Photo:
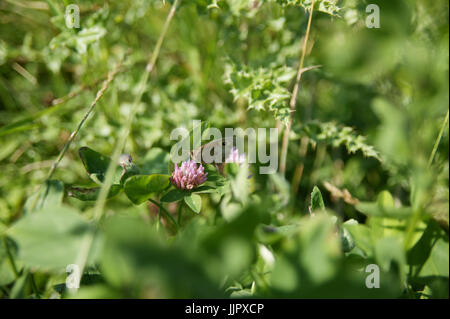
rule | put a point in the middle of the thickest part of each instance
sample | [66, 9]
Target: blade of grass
[438, 140]
[104, 190]
[292, 102]
[72, 136]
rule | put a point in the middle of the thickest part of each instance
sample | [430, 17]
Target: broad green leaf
[320, 248]
[375, 209]
[347, 241]
[361, 235]
[390, 257]
[385, 199]
[284, 276]
[194, 202]
[437, 263]
[317, 200]
[19, 287]
[128, 171]
[96, 165]
[173, 195]
[51, 238]
[204, 189]
[6, 273]
[429, 256]
[140, 188]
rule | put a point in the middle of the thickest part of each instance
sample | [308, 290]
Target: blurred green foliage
[366, 123]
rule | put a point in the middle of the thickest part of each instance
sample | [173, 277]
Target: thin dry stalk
[292, 103]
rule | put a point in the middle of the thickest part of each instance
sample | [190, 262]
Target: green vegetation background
[232, 66]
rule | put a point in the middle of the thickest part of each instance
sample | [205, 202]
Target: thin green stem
[100, 203]
[166, 213]
[158, 225]
[180, 212]
[438, 140]
[72, 136]
[293, 100]
[100, 93]
[104, 190]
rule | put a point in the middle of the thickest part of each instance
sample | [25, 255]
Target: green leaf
[140, 188]
[361, 235]
[336, 135]
[320, 248]
[374, 209]
[194, 202]
[204, 189]
[50, 238]
[91, 193]
[390, 256]
[262, 88]
[6, 273]
[128, 171]
[347, 241]
[317, 200]
[96, 164]
[18, 290]
[429, 256]
[173, 195]
[437, 263]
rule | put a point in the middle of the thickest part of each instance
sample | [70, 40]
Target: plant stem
[293, 100]
[158, 225]
[438, 140]
[299, 169]
[72, 136]
[104, 190]
[180, 211]
[84, 87]
[166, 213]
[100, 203]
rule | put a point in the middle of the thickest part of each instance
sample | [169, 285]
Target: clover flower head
[235, 157]
[188, 175]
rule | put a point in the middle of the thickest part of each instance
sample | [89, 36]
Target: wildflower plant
[188, 176]
[89, 181]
